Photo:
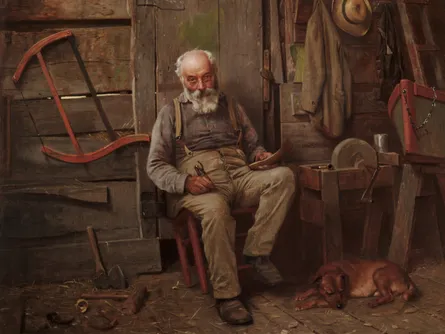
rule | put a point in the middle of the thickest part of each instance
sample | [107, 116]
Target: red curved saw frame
[116, 142]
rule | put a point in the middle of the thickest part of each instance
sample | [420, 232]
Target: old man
[204, 127]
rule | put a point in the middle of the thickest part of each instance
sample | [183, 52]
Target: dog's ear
[315, 279]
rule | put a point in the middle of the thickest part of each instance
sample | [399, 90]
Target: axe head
[116, 278]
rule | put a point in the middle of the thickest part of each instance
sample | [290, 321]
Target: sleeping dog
[338, 281]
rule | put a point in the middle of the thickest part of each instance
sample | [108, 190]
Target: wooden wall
[48, 204]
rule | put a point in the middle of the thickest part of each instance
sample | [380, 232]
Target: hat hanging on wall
[352, 16]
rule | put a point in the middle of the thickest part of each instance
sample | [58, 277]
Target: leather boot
[265, 269]
[233, 311]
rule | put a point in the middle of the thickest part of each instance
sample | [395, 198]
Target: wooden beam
[144, 106]
[404, 217]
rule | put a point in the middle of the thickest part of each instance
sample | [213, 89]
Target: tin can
[381, 142]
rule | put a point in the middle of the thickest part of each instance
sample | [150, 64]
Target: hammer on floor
[115, 278]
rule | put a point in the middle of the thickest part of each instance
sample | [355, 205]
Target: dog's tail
[412, 290]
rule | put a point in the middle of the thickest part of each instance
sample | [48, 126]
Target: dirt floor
[173, 308]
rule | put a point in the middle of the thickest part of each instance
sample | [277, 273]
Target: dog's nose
[339, 306]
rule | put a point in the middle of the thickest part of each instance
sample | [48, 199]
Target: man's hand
[197, 185]
[262, 156]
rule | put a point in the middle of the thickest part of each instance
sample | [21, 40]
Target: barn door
[230, 29]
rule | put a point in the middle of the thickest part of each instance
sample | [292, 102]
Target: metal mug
[381, 142]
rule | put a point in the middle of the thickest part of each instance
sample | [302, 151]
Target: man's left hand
[262, 156]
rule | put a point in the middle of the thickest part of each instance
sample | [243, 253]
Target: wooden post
[404, 216]
[332, 232]
[144, 105]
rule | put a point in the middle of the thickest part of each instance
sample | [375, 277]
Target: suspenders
[178, 118]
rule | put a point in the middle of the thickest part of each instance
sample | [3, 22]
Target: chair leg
[198, 254]
[183, 258]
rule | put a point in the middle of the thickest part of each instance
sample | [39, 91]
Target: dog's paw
[299, 297]
[299, 308]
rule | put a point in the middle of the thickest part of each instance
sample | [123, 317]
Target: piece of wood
[276, 56]
[28, 163]
[74, 261]
[404, 217]
[389, 158]
[36, 10]
[105, 52]
[112, 296]
[3, 138]
[135, 301]
[144, 105]
[319, 320]
[82, 114]
[362, 63]
[82, 192]
[289, 38]
[373, 225]
[12, 314]
[307, 144]
[332, 232]
[241, 45]
[33, 216]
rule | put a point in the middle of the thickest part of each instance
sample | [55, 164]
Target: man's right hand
[197, 185]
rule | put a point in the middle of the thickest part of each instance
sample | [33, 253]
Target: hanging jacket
[390, 61]
[326, 91]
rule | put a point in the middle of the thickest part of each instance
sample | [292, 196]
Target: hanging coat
[326, 90]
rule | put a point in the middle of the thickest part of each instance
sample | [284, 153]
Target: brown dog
[340, 280]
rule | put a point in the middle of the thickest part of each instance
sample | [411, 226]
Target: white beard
[205, 102]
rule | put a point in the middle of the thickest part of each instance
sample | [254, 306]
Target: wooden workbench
[320, 204]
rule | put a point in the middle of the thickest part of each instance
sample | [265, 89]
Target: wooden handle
[104, 296]
[135, 301]
[95, 249]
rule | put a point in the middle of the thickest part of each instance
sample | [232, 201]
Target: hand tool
[135, 301]
[115, 278]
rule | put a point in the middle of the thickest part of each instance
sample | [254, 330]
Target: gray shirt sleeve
[161, 160]
[250, 139]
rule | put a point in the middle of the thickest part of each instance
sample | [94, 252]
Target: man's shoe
[265, 269]
[233, 312]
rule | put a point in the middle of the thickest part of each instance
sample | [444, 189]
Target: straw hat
[352, 16]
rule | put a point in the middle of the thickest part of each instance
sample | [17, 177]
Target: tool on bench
[116, 142]
[357, 153]
[199, 169]
[115, 278]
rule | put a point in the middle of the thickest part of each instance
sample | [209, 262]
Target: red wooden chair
[186, 220]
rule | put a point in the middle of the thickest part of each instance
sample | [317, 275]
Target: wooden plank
[319, 320]
[35, 216]
[275, 45]
[194, 27]
[75, 261]
[144, 106]
[36, 10]
[432, 301]
[105, 52]
[298, 56]
[396, 317]
[362, 63]
[12, 314]
[404, 217]
[3, 136]
[89, 193]
[373, 225]
[332, 233]
[240, 24]
[307, 144]
[82, 114]
[30, 164]
[289, 38]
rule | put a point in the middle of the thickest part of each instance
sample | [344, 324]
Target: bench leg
[198, 254]
[183, 257]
